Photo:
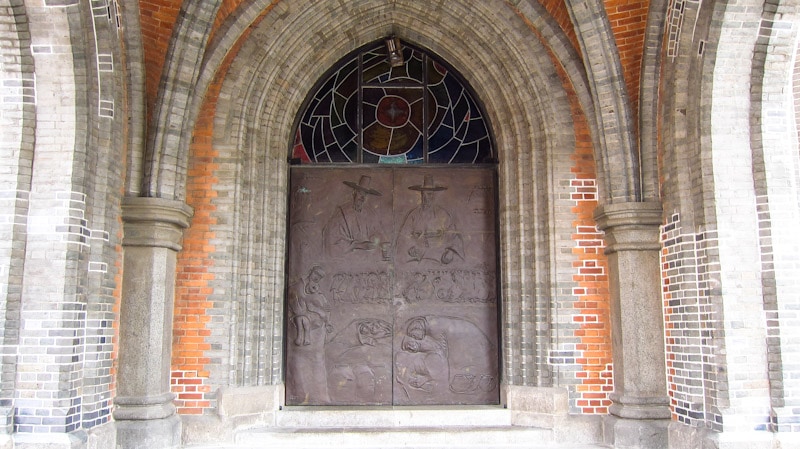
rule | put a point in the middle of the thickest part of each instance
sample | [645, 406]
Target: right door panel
[445, 304]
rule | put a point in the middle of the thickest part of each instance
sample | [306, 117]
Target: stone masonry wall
[61, 198]
[221, 311]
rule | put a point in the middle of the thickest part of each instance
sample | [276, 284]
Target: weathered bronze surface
[392, 292]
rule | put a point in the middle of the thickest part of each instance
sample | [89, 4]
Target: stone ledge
[154, 222]
[630, 226]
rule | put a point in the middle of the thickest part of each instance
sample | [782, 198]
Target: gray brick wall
[728, 142]
[16, 147]
[536, 151]
[60, 209]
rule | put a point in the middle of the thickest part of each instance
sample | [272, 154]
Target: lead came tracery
[368, 111]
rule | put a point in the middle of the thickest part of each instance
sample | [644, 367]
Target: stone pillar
[144, 411]
[639, 403]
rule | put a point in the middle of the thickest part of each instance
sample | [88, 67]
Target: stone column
[144, 411]
[639, 403]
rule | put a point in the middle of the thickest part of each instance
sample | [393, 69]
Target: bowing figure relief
[445, 360]
[309, 306]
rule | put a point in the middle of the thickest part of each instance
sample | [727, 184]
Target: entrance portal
[392, 293]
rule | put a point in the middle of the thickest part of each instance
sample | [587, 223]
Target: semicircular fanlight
[370, 111]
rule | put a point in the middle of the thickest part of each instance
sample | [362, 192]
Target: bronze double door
[392, 296]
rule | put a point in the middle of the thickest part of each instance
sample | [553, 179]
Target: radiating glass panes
[369, 112]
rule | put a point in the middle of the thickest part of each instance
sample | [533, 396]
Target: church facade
[631, 279]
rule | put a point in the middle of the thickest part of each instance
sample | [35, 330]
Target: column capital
[155, 222]
[630, 226]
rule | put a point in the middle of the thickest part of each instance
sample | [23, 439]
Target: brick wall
[590, 273]
[16, 153]
[228, 262]
[628, 23]
[689, 323]
[190, 358]
[157, 19]
[61, 204]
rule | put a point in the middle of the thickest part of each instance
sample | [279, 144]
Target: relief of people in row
[374, 287]
[453, 286]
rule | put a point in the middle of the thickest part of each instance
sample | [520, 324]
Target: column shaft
[145, 414]
[640, 401]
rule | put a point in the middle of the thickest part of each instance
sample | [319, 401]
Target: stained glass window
[367, 111]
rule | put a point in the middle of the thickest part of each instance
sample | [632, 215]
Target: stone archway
[252, 134]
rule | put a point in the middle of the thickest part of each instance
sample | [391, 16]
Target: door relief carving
[392, 287]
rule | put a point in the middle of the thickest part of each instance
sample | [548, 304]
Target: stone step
[390, 417]
[406, 438]
[473, 427]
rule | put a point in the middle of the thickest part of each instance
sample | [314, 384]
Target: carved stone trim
[155, 222]
[144, 407]
[630, 226]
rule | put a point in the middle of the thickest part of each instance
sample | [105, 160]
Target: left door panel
[340, 254]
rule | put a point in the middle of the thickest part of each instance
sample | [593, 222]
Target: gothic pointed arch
[267, 81]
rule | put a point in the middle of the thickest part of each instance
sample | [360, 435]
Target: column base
[162, 433]
[622, 433]
[639, 407]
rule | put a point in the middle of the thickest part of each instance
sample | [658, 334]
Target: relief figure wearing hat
[353, 227]
[429, 232]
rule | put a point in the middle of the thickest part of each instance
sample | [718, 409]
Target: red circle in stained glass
[393, 111]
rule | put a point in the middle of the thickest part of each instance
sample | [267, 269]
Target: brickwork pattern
[628, 23]
[16, 153]
[688, 324]
[175, 114]
[776, 165]
[742, 392]
[554, 345]
[722, 135]
[48, 368]
[593, 352]
[615, 139]
[245, 255]
[584, 336]
[203, 311]
[227, 8]
[102, 184]
[157, 18]
[674, 26]
[558, 9]
[191, 346]
[61, 206]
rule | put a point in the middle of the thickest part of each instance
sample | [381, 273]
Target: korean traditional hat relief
[363, 185]
[428, 185]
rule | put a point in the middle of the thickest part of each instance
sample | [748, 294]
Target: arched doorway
[392, 277]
